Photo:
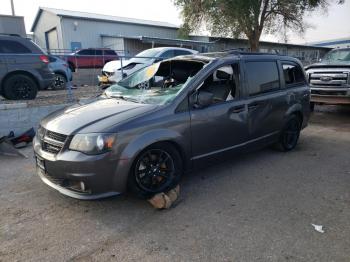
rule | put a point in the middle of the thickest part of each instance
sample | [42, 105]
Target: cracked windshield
[156, 84]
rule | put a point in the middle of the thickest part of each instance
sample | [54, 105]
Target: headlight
[92, 144]
[40, 132]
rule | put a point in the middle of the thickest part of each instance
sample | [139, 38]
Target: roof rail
[9, 34]
[245, 51]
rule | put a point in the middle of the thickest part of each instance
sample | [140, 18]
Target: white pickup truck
[329, 80]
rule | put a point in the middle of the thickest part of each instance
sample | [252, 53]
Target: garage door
[115, 43]
[52, 40]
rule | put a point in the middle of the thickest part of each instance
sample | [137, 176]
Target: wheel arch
[297, 110]
[139, 144]
[62, 73]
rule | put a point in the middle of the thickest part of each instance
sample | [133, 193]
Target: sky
[324, 26]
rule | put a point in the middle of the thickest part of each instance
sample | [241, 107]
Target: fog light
[82, 186]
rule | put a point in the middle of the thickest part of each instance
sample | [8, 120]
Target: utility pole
[12, 8]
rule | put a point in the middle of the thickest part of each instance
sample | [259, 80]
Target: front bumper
[67, 170]
[47, 80]
[71, 193]
[330, 95]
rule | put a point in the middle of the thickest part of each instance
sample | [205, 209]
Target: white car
[112, 71]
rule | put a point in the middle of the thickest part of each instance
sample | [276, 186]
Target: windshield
[146, 55]
[338, 55]
[158, 84]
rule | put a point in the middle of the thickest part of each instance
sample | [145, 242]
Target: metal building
[70, 30]
[56, 29]
[334, 43]
[10, 24]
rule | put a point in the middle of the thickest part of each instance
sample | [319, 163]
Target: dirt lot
[258, 207]
[84, 85]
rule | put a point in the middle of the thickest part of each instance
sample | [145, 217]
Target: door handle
[237, 109]
[253, 106]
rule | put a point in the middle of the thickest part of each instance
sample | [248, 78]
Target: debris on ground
[22, 140]
[10, 144]
[318, 228]
[165, 200]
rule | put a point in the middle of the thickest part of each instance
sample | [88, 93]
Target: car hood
[117, 76]
[329, 64]
[114, 65]
[100, 115]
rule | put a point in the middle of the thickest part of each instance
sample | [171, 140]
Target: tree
[247, 18]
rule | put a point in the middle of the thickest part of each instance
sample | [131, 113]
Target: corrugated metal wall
[89, 32]
[46, 23]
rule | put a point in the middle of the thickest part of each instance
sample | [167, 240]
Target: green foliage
[237, 18]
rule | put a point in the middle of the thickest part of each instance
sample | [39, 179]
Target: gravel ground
[257, 207]
[53, 97]
[84, 86]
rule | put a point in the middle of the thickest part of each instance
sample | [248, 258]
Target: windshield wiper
[125, 98]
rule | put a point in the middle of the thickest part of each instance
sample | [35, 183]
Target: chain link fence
[87, 64]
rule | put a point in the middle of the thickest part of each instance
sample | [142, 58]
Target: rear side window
[262, 77]
[167, 54]
[182, 52]
[109, 52]
[292, 74]
[86, 52]
[13, 47]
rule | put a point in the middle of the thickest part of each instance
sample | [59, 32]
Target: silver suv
[145, 131]
[23, 68]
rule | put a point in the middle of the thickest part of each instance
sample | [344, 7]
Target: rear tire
[20, 86]
[156, 169]
[290, 134]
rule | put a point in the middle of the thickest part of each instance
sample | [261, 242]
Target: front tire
[156, 169]
[20, 86]
[59, 83]
[290, 134]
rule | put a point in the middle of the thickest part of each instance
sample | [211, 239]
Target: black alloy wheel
[60, 82]
[20, 86]
[290, 134]
[157, 169]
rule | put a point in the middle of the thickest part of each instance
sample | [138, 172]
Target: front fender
[135, 146]
[133, 149]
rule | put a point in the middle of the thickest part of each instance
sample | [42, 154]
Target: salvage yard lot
[257, 207]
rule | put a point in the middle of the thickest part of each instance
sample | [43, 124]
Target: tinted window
[97, 52]
[182, 52]
[167, 54]
[110, 52]
[13, 47]
[262, 77]
[292, 74]
[86, 52]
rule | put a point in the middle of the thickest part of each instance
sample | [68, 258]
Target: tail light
[44, 59]
[65, 65]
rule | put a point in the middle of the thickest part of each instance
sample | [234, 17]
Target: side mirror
[202, 99]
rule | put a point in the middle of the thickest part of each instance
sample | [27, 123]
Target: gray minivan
[145, 131]
[23, 68]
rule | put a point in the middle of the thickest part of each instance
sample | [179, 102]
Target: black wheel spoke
[154, 170]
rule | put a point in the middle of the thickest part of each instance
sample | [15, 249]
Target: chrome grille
[53, 142]
[56, 136]
[328, 79]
